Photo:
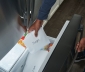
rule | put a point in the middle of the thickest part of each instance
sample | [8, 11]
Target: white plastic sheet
[36, 43]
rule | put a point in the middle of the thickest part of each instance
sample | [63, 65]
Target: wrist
[39, 21]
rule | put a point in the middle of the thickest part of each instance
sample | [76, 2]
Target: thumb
[36, 32]
[79, 48]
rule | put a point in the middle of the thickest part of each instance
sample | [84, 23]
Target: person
[79, 66]
[42, 15]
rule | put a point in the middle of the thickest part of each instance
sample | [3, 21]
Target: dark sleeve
[45, 9]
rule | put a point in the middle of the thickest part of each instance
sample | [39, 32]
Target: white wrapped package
[36, 43]
[8, 61]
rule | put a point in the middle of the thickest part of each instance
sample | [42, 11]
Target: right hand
[36, 26]
[81, 45]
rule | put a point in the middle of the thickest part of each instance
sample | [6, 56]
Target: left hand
[81, 45]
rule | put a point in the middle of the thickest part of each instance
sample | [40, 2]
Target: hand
[36, 26]
[21, 24]
[81, 45]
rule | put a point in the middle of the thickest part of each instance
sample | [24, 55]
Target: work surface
[65, 12]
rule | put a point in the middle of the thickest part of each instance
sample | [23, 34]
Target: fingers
[36, 26]
[25, 29]
[35, 29]
[79, 47]
[31, 29]
[36, 32]
[83, 49]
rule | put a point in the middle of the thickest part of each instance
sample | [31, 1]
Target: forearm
[45, 9]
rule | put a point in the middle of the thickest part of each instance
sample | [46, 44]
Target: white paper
[36, 43]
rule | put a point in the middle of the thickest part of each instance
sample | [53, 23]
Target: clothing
[45, 9]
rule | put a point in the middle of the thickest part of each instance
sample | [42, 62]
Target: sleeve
[45, 9]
